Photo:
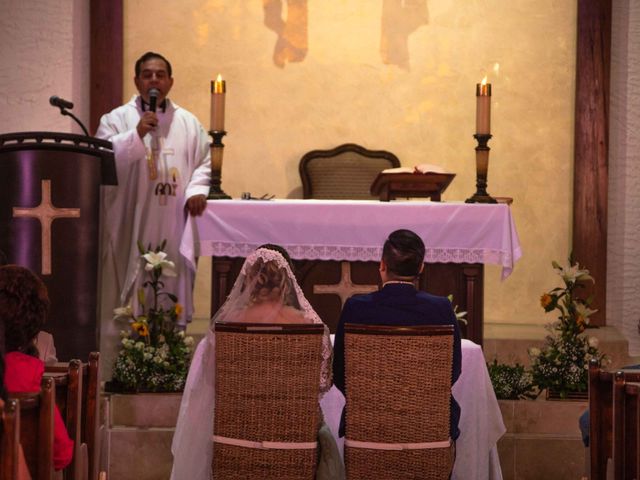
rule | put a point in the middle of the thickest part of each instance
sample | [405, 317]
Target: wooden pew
[68, 379]
[10, 442]
[626, 425]
[601, 387]
[36, 429]
[87, 428]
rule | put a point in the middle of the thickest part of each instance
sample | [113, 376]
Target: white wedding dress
[192, 445]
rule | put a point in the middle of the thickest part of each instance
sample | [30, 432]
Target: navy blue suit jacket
[398, 304]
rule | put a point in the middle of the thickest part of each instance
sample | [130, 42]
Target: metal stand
[217, 149]
[482, 166]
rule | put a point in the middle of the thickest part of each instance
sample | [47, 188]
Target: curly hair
[271, 283]
[24, 307]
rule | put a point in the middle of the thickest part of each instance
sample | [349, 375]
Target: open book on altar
[424, 180]
[422, 169]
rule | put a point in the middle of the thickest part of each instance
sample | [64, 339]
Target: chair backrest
[626, 425]
[87, 430]
[345, 172]
[10, 441]
[601, 387]
[36, 429]
[398, 394]
[68, 378]
[267, 414]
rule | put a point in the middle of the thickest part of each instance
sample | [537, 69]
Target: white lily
[583, 311]
[573, 273]
[122, 312]
[593, 342]
[159, 260]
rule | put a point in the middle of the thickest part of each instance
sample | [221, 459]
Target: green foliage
[511, 382]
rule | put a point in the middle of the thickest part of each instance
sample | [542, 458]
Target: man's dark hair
[149, 56]
[403, 253]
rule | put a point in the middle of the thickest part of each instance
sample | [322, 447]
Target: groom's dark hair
[403, 253]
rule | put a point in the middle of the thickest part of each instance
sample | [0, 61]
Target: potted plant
[155, 353]
[561, 365]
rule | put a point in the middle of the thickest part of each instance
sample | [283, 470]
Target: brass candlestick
[482, 167]
[217, 149]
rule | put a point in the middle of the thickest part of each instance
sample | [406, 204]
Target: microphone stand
[63, 111]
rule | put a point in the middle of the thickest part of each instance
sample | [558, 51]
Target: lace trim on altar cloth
[364, 254]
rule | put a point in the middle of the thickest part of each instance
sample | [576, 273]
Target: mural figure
[400, 18]
[292, 42]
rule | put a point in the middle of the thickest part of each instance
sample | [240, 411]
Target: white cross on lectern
[346, 287]
[46, 213]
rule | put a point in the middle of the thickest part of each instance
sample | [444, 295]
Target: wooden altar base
[341, 279]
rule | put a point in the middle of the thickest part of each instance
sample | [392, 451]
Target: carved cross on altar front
[46, 213]
[346, 287]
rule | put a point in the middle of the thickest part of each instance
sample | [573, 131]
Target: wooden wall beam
[107, 41]
[590, 183]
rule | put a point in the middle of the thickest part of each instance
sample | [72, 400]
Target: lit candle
[483, 107]
[218, 89]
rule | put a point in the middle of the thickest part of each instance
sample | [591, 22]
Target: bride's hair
[269, 281]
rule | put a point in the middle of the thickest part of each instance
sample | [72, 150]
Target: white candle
[218, 90]
[483, 107]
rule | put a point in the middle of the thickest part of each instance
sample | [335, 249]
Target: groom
[399, 303]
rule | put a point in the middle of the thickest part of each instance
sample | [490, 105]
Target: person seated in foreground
[266, 291]
[44, 340]
[399, 303]
[24, 306]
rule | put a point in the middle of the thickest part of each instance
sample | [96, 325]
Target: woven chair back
[398, 391]
[343, 173]
[266, 390]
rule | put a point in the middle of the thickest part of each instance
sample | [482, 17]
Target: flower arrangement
[155, 353]
[561, 365]
[511, 382]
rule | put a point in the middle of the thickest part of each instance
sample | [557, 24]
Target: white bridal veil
[266, 287]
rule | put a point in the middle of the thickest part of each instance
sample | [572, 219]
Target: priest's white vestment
[156, 175]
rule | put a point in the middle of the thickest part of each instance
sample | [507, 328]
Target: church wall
[44, 47]
[623, 268]
[292, 89]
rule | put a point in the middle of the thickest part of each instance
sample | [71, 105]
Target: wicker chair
[266, 390]
[345, 172]
[398, 391]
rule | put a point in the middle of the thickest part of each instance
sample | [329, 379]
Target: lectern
[49, 223]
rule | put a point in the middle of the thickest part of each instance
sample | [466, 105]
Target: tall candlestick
[218, 90]
[483, 107]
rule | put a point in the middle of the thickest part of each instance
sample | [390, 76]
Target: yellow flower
[545, 300]
[178, 309]
[140, 328]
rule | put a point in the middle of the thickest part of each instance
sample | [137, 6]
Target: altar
[336, 246]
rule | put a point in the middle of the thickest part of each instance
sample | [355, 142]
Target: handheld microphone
[56, 101]
[153, 98]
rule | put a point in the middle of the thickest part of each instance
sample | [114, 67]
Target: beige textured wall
[420, 104]
[623, 268]
[44, 51]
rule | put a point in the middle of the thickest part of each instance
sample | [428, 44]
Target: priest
[163, 165]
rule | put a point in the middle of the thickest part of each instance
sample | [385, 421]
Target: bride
[266, 291]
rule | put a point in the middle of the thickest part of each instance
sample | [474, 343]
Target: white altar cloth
[481, 424]
[353, 230]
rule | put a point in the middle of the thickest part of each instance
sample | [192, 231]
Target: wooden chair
[68, 378]
[626, 426]
[87, 426]
[398, 394]
[267, 414]
[36, 429]
[10, 442]
[345, 172]
[601, 386]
